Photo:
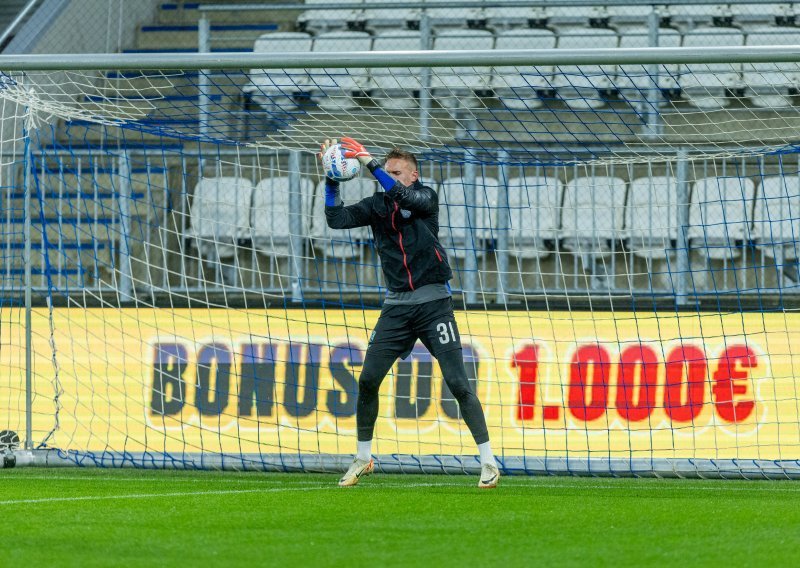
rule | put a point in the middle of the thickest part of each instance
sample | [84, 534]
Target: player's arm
[422, 202]
[336, 214]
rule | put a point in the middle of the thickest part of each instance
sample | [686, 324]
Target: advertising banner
[552, 383]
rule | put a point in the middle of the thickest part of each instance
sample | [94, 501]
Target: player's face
[401, 170]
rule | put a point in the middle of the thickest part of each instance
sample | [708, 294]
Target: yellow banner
[558, 383]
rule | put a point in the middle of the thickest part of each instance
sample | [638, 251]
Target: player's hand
[327, 143]
[354, 149]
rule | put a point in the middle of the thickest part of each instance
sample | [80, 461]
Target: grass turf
[167, 518]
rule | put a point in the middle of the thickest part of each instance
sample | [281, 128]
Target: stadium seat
[776, 219]
[533, 214]
[322, 20]
[584, 87]
[396, 88]
[748, 15]
[633, 81]
[706, 86]
[220, 215]
[500, 17]
[454, 224]
[270, 215]
[574, 15]
[720, 215]
[455, 87]
[770, 85]
[334, 89]
[593, 214]
[336, 242]
[700, 15]
[451, 16]
[395, 19]
[638, 15]
[651, 215]
[518, 87]
[275, 89]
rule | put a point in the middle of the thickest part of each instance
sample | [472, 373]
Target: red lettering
[527, 361]
[632, 405]
[730, 379]
[685, 366]
[589, 369]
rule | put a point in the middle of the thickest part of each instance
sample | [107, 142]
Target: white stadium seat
[320, 20]
[631, 14]
[397, 18]
[651, 216]
[769, 84]
[393, 88]
[454, 223]
[341, 243]
[720, 215]
[573, 15]
[269, 216]
[456, 86]
[760, 14]
[704, 86]
[632, 81]
[501, 17]
[533, 214]
[274, 89]
[450, 16]
[593, 213]
[581, 87]
[776, 218]
[699, 15]
[220, 215]
[334, 88]
[516, 87]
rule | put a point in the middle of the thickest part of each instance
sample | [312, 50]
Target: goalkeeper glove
[354, 149]
[331, 186]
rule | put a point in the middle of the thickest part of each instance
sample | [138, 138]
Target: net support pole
[203, 86]
[501, 248]
[471, 257]
[682, 261]
[125, 280]
[295, 225]
[653, 94]
[425, 79]
[28, 185]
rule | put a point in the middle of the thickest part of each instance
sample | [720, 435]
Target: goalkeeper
[405, 224]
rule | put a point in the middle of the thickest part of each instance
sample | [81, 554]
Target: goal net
[623, 238]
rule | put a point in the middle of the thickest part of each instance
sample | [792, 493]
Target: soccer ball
[337, 167]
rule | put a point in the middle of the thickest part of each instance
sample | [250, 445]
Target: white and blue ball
[337, 167]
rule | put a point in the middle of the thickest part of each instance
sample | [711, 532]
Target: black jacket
[405, 226]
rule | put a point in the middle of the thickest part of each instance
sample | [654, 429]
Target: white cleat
[358, 469]
[490, 475]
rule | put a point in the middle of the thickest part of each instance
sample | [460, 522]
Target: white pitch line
[154, 495]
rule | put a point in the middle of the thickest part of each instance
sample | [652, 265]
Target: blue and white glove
[331, 186]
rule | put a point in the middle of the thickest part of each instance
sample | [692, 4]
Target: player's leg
[439, 330]
[391, 339]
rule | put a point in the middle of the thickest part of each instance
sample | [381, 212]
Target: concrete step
[224, 37]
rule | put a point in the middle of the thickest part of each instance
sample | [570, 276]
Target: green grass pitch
[85, 517]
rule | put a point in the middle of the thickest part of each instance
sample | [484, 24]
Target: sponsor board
[558, 383]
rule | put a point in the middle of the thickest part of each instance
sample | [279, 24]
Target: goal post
[622, 226]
